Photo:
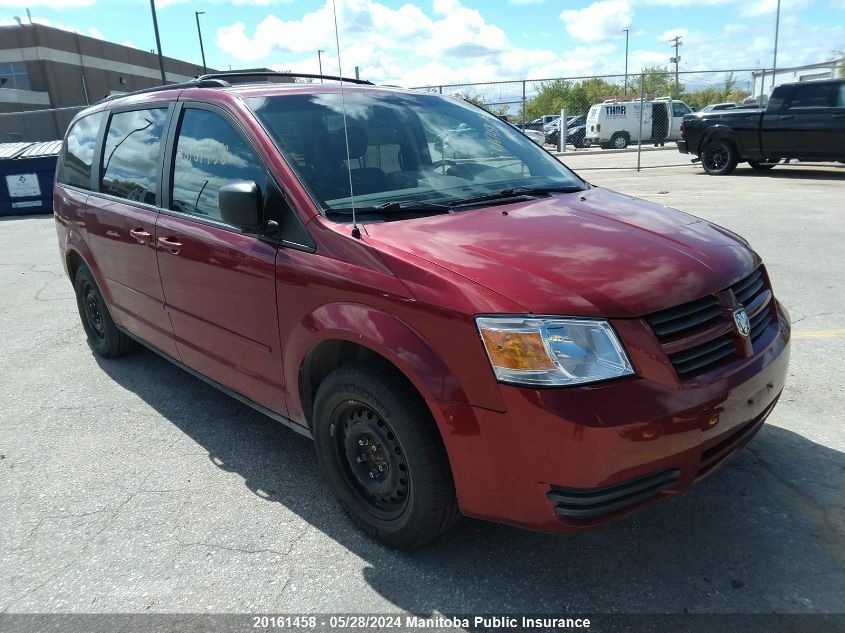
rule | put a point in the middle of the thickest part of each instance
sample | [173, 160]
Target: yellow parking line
[820, 333]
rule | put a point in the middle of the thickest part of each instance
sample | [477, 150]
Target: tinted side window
[209, 155]
[131, 154]
[78, 154]
[813, 95]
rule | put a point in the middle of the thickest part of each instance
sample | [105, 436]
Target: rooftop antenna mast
[356, 232]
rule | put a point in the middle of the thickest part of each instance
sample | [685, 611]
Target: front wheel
[761, 166]
[719, 158]
[381, 455]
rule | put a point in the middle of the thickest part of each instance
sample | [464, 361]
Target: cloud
[51, 4]
[671, 33]
[760, 8]
[599, 20]
[92, 31]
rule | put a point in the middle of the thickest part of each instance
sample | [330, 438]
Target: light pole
[197, 14]
[775, 58]
[320, 52]
[676, 42]
[625, 85]
[158, 41]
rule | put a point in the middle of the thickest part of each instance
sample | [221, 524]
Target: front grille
[709, 318]
[702, 355]
[587, 503]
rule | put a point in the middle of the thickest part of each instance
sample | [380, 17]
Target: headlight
[552, 352]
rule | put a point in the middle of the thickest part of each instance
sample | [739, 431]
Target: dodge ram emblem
[743, 325]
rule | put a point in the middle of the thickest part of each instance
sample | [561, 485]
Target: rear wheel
[620, 140]
[761, 166]
[381, 455]
[103, 335]
[719, 158]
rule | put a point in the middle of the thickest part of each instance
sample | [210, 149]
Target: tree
[660, 81]
[575, 97]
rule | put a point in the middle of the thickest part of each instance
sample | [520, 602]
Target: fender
[75, 243]
[719, 131]
[380, 332]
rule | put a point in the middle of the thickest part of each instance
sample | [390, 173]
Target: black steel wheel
[381, 455]
[366, 447]
[103, 335]
[719, 158]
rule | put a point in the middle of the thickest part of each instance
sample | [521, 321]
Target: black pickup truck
[804, 121]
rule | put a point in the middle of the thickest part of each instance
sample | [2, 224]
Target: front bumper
[566, 459]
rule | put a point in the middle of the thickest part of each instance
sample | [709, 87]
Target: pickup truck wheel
[761, 166]
[719, 158]
[619, 140]
[103, 335]
[381, 455]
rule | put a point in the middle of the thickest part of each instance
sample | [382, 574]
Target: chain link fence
[614, 121]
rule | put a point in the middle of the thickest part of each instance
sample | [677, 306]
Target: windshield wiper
[517, 192]
[388, 207]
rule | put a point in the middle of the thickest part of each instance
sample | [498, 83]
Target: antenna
[356, 232]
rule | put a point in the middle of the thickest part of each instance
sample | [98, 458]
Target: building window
[13, 75]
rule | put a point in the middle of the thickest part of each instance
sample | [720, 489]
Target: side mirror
[240, 205]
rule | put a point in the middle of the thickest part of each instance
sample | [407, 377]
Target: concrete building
[43, 67]
[762, 79]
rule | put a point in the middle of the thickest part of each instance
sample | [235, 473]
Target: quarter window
[209, 155]
[78, 153]
[131, 155]
[679, 109]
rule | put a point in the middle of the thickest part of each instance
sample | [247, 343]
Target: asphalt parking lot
[129, 486]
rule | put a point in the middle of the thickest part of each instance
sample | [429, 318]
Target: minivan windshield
[409, 154]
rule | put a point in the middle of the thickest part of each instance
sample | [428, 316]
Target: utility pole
[676, 42]
[158, 42]
[320, 52]
[197, 14]
[625, 85]
[775, 58]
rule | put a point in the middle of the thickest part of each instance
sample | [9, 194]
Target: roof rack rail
[199, 82]
[270, 73]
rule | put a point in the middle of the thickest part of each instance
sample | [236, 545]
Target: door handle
[784, 117]
[140, 235]
[171, 244]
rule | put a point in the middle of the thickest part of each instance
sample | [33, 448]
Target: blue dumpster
[26, 177]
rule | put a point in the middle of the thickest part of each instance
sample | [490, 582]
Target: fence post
[561, 131]
[523, 102]
[642, 107]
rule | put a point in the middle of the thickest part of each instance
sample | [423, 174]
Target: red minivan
[462, 324]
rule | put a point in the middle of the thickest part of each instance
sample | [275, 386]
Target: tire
[719, 157]
[620, 140]
[761, 166]
[103, 335]
[381, 455]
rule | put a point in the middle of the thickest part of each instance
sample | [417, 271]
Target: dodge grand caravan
[462, 328]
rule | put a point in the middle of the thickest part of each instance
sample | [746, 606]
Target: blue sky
[450, 41]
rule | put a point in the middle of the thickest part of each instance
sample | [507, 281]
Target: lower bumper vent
[585, 503]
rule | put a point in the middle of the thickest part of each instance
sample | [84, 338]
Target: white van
[616, 124]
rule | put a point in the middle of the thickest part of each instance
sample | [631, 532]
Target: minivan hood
[592, 253]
